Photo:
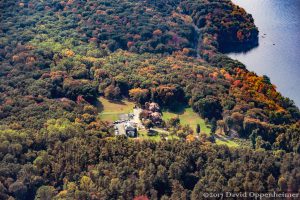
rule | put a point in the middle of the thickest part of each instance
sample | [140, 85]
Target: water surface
[278, 53]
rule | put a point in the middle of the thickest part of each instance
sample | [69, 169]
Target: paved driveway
[120, 127]
[124, 118]
[136, 117]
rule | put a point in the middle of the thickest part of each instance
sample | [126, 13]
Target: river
[278, 53]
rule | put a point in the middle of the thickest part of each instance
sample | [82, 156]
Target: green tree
[213, 123]
[253, 137]
[19, 190]
[198, 129]
[45, 193]
[209, 107]
[112, 92]
[271, 183]
[86, 184]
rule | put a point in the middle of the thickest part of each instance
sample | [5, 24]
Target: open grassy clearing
[144, 135]
[229, 143]
[187, 117]
[110, 110]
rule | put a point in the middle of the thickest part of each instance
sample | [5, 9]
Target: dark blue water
[278, 53]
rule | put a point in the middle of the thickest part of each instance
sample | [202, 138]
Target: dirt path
[197, 40]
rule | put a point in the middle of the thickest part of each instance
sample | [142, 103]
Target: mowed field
[229, 143]
[144, 135]
[110, 110]
[188, 117]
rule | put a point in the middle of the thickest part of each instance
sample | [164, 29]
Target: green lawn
[188, 117]
[143, 135]
[110, 110]
[229, 143]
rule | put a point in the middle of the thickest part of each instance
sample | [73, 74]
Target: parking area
[119, 129]
[127, 118]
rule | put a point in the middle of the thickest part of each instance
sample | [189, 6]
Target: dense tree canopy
[84, 166]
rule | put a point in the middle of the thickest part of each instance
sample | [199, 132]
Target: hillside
[59, 57]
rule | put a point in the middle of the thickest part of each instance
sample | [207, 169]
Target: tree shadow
[238, 48]
[98, 104]
[179, 109]
[120, 102]
[152, 132]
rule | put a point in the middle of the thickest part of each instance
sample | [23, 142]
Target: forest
[58, 57]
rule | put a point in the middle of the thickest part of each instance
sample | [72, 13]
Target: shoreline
[273, 57]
